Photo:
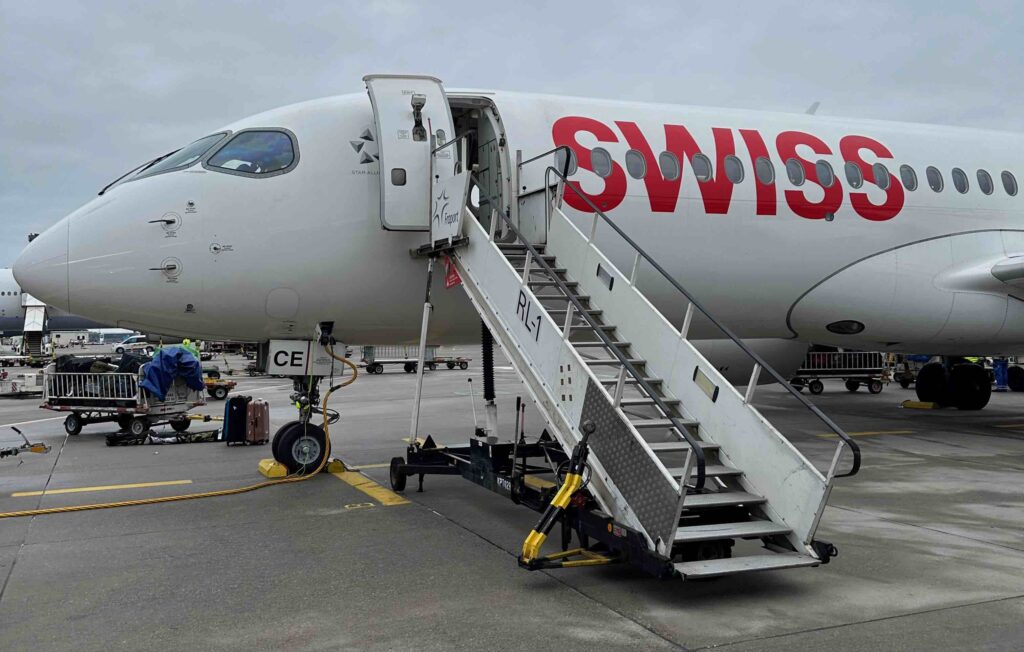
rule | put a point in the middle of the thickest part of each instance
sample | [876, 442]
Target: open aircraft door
[407, 111]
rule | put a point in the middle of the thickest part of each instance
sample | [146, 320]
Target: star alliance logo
[366, 148]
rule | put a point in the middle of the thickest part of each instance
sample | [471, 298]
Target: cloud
[92, 89]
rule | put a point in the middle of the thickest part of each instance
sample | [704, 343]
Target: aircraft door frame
[409, 112]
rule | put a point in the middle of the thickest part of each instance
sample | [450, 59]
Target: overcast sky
[90, 90]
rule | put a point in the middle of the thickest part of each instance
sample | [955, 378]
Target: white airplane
[791, 228]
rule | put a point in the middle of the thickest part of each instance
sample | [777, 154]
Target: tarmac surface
[930, 537]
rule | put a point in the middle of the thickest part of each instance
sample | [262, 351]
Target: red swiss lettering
[663, 193]
[786, 143]
[850, 147]
[563, 132]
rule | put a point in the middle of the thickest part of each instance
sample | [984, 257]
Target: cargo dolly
[116, 397]
[374, 358]
[855, 368]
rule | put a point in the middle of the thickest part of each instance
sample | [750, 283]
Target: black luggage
[235, 422]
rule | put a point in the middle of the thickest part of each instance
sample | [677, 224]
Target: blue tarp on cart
[168, 364]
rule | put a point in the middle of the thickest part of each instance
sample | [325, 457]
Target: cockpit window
[182, 158]
[257, 153]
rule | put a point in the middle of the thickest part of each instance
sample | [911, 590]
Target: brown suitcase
[257, 422]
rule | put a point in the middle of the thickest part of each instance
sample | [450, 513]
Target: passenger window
[853, 174]
[960, 180]
[1009, 183]
[669, 164]
[733, 169]
[764, 170]
[560, 162]
[909, 177]
[256, 153]
[985, 182]
[701, 167]
[934, 178]
[826, 177]
[882, 178]
[795, 171]
[601, 161]
[636, 165]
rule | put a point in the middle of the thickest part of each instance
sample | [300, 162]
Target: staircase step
[740, 530]
[662, 423]
[510, 256]
[631, 381]
[633, 402]
[562, 311]
[541, 284]
[614, 362]
[719, 567]
[721, 499]
[710, 471]
[562, 297]
[537, 269]
[579, 328]
[517, 246]
[601, 345]
[679, 446]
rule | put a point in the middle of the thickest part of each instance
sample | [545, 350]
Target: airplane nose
[42, 268]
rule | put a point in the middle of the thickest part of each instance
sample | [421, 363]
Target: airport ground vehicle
[375, 357]
[116, 397]
[218, 388]
[133, 343]
[855, 368]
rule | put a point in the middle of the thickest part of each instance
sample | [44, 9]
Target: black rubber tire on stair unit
[73, 424]
[1015, 378]
[875, 386]
[933, 384]
[816, 387]
[852, 385]
[301, 448]
[395, 474]
[971, 386]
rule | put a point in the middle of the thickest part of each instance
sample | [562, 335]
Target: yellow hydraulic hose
[210, 494]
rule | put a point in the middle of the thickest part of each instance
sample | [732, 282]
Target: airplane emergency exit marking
[716, 192]
[523, 312]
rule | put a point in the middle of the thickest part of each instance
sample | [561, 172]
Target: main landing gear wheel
[932, 384]
[971, 386]
[816, 386]
[181, 425]
[1015, 378]
[300, 447]
[852, 385]
[138, 426]
[874, 386]
[73, 424]
[395, 475]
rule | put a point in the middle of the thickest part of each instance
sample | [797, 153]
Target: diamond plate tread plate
[635, 473]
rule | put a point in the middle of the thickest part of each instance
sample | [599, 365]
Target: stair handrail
[759, 362]
[697, 451]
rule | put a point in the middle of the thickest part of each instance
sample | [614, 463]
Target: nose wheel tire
[73, 424]
[300, 447]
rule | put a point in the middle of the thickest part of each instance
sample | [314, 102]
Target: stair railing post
[684, 332]
[424, 326]
[620, 383]
[567, 326]
[493, 228]
[636, 268]
[664, 544]
[593, 230]
[752, 385]
[835, 462]
[526, 266]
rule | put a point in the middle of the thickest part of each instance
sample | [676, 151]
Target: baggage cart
[116, 397]
[855, 368]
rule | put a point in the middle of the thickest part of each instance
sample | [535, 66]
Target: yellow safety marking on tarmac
[25, 423]
[382, 465]
[868, 433]
[107, 487]
[370, 488]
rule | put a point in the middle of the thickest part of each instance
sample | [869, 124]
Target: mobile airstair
[34, 327]
[680, 459]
